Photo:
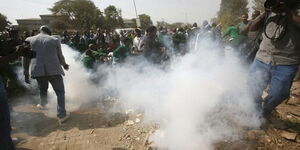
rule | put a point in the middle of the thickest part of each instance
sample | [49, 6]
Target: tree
[145, 21]
[259, 5]
[231, 11]
[78, 14]
[59, 25]
[113, 17]
[3, 22]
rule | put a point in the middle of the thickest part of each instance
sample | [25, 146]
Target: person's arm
[247, 29]
[258, 22]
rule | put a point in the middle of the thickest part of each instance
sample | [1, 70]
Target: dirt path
[90, 128]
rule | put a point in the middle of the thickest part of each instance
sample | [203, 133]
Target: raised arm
[258, 23]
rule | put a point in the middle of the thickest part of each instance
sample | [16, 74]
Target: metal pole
[138, 23]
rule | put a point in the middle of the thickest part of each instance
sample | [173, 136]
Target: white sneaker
[64, 119]
[40, 107]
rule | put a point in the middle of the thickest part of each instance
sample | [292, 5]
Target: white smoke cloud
[198, 100]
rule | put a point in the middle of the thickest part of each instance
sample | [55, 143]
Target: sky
[160, 10]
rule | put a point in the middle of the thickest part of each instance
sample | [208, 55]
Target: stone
[130, 122]
[289, 135]
[137, 120]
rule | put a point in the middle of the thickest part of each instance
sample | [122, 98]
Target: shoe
[40, 107]
[64, 119]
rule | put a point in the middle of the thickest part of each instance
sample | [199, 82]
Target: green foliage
[59, 25]
[78, 14]
[113, 18]
[145, 21]
[231, 11]
[259, 5]
[3, 22]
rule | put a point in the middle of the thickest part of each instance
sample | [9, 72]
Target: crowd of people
[269, 43]
[156, 44]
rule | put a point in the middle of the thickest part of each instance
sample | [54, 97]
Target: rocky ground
[92, 128]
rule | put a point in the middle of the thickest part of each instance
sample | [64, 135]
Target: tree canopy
[145, 21]
[3, 22]
[113, 17]
[79, 14]
[259, 5]
[231, 11]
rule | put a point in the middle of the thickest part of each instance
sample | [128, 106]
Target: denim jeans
[5, 127]
[278, 79]
[59, 89]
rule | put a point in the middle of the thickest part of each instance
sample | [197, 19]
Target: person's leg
[43, 86]
[281, 82]
[259, 78]
[58, 86]
[5, 127]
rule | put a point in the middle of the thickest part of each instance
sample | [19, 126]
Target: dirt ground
[91, 128]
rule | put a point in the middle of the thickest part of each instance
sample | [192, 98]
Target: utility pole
[138, 22]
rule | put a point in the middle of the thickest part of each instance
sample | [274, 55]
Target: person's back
[47, 68]
[232, 31]
[48, 55]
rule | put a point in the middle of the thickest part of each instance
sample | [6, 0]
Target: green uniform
[121, 53]
[88, 61]
[236, 39]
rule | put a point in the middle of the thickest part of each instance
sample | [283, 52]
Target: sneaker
[40, 107]
[64, 119]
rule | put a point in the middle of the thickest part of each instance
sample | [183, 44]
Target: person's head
[65, 33]
[45, 29]
[205, 23]
[151, 31]
[138, 32]
[255, 14]
[214, 24]
[26, 34]
[244, 17]
[195, 25]
[180, 30]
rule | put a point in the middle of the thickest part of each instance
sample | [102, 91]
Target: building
[128, 23]
[36, 23]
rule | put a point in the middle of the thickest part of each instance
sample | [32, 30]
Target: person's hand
[66, 67]
[27, 79]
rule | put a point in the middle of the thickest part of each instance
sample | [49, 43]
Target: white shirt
[137, 42]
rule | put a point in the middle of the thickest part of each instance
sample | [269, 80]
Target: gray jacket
[49, 58]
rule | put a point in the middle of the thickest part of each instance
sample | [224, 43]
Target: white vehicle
[124, 29]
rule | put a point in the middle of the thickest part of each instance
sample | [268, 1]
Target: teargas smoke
[79, 87]
[197, 99]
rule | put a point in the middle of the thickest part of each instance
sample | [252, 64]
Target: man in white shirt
[137, 41]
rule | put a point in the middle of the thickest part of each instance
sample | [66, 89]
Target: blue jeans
[59, 89]
[5, 127]
[278, 78]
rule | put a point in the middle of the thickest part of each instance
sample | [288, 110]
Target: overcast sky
[167, 10]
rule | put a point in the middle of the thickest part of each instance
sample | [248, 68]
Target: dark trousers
[59, 89]
[5, 127]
